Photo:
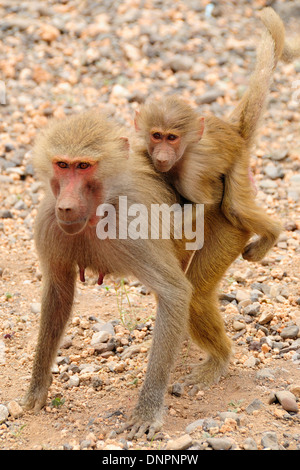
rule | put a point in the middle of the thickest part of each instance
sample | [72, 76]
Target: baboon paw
[137, 427]
[205, 375]
[34, 401]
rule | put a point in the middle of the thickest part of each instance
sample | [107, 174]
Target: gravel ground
[61, 57]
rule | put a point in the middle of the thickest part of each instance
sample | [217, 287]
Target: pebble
[100, 337]
[35, 307]
[210, 96]
[15, 410]
[181, 443]
[194, 425]
[237, 325]
[220, 443]
[252, 309]
[177, 389]
[269, 440]
[263, 374]
[4, 413]
[287, 400]
[266, 317]
[242, 295]
[290, 332]
[74, 381]
[256, 404]
[272, 171]
[230, 415]
[249, 444]
[251, 362]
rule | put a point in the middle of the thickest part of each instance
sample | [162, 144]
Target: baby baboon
[202, 156]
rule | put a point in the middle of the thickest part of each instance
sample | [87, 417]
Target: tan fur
[183, 301]
[215, 169]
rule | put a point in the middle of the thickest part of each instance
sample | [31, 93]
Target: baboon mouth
[163, 167]
[72, 227]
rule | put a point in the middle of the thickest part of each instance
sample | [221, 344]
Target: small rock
[73, 381]
[252, 309]
[263, 374]
[48, 32]
[230, 415]
[295, 390]
[181, 443]
[290, 226]
[118, 91]
[237, 325]
[249, 444]
[256, 404]
[66, 342]
[15, 410]
[101, 348]
[210, 423]
[177, 389]
[289, 332]
[194, 425]
[97, 382]
[287, 401]
[239, 276]
[269, 440]
[112, 447]
[3, 413]
[64, 377]
[273, 172]
[180, 62]
[220, 443]
[5, 214]
[100, 337]
[35, 307]
[108, 327]
[210, 96]
[251, 362]
[266, 317]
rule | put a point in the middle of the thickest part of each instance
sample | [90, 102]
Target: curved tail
[247, 114]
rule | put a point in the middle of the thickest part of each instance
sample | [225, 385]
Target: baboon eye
[83, 165]
[156, 135]
[172, 137]
[62, 165]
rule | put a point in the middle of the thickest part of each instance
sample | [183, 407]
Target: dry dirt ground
[114, 55]
[87, 416]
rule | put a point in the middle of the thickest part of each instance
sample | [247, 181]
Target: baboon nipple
[81, 273]
[100, 278]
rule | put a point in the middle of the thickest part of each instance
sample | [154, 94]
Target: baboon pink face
[77, 191]
[165, 149]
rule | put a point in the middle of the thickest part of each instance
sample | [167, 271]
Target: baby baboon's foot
[207, 374]
[256, 250]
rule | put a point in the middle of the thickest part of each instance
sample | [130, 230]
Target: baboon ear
[201, 127]
[126, 145]
[136, 121]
